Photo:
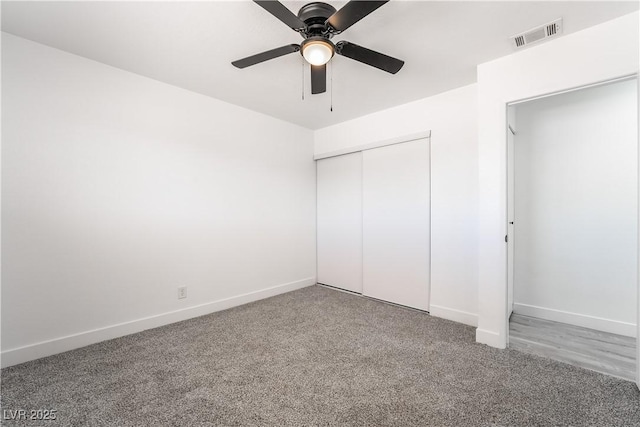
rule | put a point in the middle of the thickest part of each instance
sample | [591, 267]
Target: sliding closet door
[340, 221]
[396, 223]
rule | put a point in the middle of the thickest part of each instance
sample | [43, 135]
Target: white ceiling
[192, 44]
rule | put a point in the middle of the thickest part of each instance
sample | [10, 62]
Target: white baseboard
[592, 322]
[453, 314]
[58, 345]
[490, 338]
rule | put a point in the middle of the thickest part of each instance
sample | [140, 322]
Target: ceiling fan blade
[265, 56]
[352, 12]
[281, 12]
[318, 79]
[369, 57]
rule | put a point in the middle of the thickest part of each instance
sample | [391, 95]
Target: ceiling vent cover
[546, 31]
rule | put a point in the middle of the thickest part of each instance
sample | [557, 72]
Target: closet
[374, 222]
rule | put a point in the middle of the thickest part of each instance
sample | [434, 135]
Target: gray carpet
[314, 357]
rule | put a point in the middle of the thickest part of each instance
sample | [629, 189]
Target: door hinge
[506, 238]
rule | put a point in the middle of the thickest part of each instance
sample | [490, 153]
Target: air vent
[520, 41]
[546, 31]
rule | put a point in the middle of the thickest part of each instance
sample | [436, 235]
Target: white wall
[576, 208]
[117, 189]
[602, 52]
[451, 117]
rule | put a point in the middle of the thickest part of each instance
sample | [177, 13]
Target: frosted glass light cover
[317, 53]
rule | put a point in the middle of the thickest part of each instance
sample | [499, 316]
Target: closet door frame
[375, 144]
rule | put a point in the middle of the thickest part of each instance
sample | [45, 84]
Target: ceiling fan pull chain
[331, 89]
[303, 79]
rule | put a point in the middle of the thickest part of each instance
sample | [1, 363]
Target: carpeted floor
[314, 357]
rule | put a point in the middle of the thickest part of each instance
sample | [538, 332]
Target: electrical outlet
[182, 292]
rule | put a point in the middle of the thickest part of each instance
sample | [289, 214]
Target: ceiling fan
[317, 23]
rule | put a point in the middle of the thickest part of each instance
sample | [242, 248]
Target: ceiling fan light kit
[317, 23]
[317, 50]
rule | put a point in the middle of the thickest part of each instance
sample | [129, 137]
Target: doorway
[573, 227]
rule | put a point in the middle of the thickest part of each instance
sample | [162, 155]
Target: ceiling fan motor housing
[314, 15]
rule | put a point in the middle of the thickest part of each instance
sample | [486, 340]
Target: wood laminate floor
[604, 352]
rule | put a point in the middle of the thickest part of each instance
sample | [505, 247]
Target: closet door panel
[396, 223]
[339, 187]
